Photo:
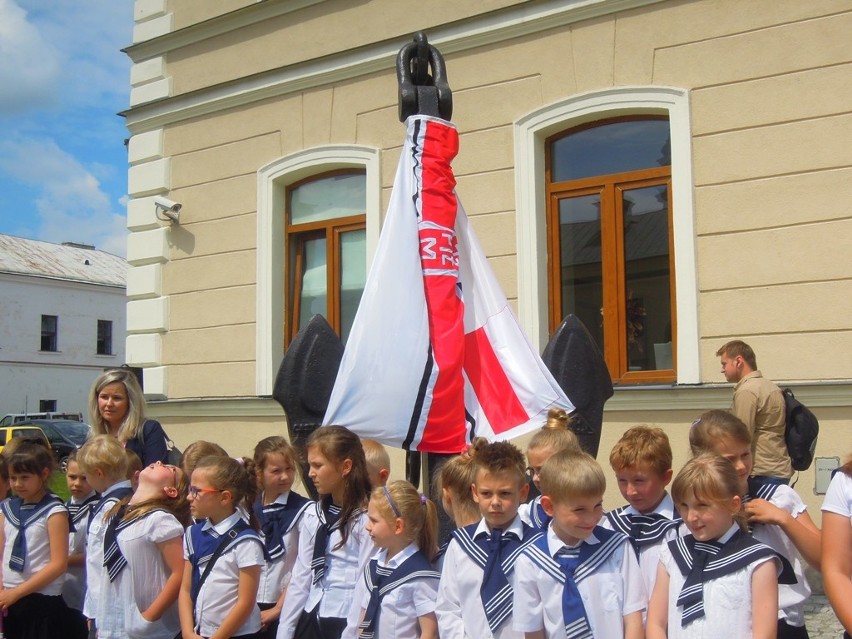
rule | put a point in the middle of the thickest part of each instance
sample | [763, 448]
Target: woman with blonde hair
[117, 408]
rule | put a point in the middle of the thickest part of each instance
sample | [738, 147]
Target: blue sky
[63, 163]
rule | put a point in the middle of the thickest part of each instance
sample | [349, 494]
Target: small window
[327, 246]
[46, 405]
[49, 330]
[104, 337]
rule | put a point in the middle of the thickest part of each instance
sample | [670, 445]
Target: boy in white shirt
[642, 462]
[577, 579]
[103, 460]
[475, 592]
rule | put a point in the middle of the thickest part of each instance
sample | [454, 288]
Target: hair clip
[423, 499]
[240, 461]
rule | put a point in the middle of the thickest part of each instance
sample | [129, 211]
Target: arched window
[326, 238]
[610, 241]
[318, 213]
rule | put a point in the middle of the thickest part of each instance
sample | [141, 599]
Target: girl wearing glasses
[223, 554]
[143, 556]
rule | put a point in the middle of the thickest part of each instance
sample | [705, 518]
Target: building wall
[768, 113]
[28, 375]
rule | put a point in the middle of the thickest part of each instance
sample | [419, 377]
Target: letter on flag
[435, 355]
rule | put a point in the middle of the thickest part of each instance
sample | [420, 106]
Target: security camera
[170, 208]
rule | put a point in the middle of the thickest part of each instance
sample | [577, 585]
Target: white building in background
[63, 320]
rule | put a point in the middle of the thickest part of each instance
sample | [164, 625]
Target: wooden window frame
[295, 236]
[609, 188]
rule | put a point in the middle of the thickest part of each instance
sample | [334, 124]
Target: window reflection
[615, 147]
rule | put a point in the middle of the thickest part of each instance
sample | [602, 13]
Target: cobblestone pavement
[820, 619]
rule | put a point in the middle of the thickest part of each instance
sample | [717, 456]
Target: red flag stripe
[439, 260]
[493, 388]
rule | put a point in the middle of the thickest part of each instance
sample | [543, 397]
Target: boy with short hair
[378, 462]
[104, 462]
[577, 579]
[475, 592]
[642, 461]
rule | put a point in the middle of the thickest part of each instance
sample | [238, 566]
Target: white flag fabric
[436, 356]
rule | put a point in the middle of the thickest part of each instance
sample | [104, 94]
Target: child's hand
[7, 598]
[268, 616]
[760, 511]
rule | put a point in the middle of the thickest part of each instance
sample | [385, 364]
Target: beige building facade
[235, 103]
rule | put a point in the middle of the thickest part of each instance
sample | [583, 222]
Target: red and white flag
[435, 355]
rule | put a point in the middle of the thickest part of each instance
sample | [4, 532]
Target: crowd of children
[223, 547]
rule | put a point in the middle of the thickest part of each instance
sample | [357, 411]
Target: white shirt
[75, 578]
[218, 593]
[401, 607]
[838, 497]
[649, 554]
[791, 597]
[38, 551]
[613, 591]
[459, 607]
[95, 572]
[275, 575]
[344, 570]
[727, 601]
[146, 573]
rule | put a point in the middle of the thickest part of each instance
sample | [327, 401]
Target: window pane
[48, 332]
[104, 344]
[328, 198]
[353, 274]
[611, 148]
[580, 254]
[314, 294]
[647, 278]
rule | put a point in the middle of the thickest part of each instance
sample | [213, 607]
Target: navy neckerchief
[538, 517]
[588, 558]
[80, 512]
[277, 519]
[21, 515]
[497, 563]
[115, 496]
[381, 580]
[442, 550]
[329, 521]
[114, 560]
[757, 490]
[643, 530]
[699, 562]
[204, 547]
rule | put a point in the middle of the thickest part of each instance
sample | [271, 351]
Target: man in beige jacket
[759, 403]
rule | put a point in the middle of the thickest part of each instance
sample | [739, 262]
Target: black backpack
[801, 431]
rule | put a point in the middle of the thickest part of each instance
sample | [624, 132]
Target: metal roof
[60, 261]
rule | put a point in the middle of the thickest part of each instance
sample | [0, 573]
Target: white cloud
[71, 204]
[64, 53]
[29, 64]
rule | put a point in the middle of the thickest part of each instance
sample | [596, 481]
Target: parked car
[17, 418]
[64, 435]
[28, 430]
